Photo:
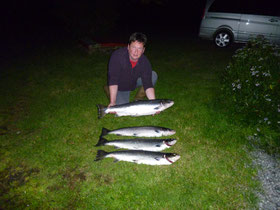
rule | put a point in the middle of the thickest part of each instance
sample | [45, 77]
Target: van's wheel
[223, 38]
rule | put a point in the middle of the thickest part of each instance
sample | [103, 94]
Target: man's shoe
[140, 95]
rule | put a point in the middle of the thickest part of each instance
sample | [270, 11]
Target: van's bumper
[206, 33]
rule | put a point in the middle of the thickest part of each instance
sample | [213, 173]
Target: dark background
[36, 23]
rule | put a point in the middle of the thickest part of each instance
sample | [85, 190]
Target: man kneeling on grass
[128, 69]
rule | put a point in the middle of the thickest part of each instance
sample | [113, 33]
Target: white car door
[253, 25]
[259, 17]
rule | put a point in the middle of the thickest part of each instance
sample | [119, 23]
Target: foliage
[251, 86]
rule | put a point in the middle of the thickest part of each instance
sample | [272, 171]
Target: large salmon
[136, 108]
[140, 131]
[140, 157]
[138, 144]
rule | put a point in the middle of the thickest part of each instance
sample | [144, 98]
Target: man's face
[135, 50]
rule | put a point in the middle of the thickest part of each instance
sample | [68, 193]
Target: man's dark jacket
[121, 73]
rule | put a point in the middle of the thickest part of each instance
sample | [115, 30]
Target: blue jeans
[123, 96]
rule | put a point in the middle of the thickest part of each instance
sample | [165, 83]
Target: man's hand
[111, 104]
[150, 93]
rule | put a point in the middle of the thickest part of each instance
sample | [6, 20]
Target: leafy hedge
[251, 87]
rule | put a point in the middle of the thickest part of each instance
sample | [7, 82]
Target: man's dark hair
[139, 37]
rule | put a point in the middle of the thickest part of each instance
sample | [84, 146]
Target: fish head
[166, 103]
[170, 142]
[172, 157]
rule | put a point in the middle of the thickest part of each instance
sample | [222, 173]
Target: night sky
[54, 20]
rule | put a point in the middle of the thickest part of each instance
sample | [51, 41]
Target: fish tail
[101, 110]
[101, 154]
[104, 132]
[101, 141]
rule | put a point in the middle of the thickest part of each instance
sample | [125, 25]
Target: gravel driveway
[269, 175]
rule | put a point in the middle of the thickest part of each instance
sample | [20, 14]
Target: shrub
[251, 87]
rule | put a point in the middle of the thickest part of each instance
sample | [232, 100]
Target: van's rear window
[226, 6]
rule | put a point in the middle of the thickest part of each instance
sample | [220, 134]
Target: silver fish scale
[140, 108]
[140, 157]
[141, 132]
[143, 109]
[142, 144]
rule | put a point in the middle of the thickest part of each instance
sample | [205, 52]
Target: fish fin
[157, 158]
[101, 154]
[101, 110]
[158, 145]
[157, 131]
[104, 132]
[102, 141]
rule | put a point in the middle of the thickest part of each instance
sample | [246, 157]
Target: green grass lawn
[49, 127]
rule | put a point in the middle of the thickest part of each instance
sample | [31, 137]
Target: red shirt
[133, 63]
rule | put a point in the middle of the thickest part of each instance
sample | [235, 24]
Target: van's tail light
[203, 13]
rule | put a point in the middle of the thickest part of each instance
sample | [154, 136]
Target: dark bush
[251, 88]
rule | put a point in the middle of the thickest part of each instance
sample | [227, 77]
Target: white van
[226, 22]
